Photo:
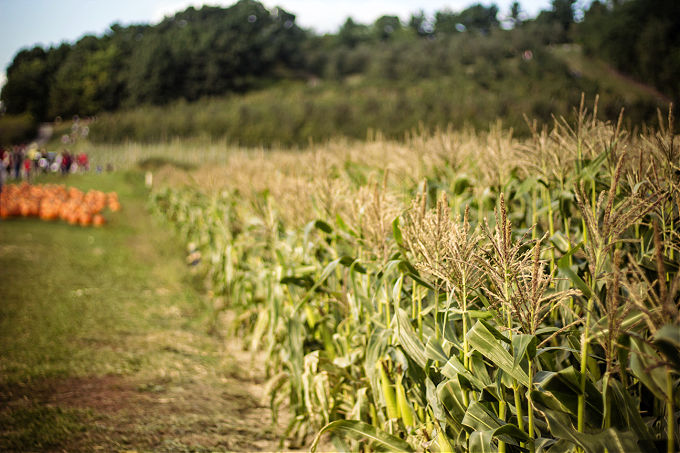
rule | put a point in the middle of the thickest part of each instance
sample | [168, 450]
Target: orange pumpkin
[98, 220]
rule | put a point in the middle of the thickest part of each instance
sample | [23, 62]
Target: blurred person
[65, 162]
[5, 160]
[43, 164]
[4, 167]
[32, 154]
[56, 165]
[83, 161]
[28, 165]
[17, 160]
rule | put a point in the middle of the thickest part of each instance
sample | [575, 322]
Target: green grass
[38, 427]
[104, 339]
[79, 294]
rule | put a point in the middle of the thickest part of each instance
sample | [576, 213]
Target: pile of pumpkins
[56, 201]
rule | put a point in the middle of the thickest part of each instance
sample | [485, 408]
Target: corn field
[464, 292]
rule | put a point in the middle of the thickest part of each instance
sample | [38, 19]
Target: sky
[26, 23]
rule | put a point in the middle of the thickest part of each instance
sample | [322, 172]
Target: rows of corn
[459, 291]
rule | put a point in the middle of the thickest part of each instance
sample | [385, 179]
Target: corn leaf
[523, 345]
[609, 440]
[361, 430]
[455, 368]
[481, 418]
[643, 361]
[487, 344]
[567, 271]
[667, 341]
[450, 393]
[560, 390]
[408, 339]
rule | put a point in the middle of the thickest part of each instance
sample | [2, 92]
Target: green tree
[563, 12]
[515, 12]
[445, 22]
[479, 17]
[386, 26]
[420, 24]
[351, 33]
[26, 90]
[85, 82]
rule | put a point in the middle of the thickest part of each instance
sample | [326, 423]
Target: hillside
[250, 75]
[475, 94]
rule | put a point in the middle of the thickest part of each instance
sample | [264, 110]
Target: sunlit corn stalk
[605, 222]
[505, 261]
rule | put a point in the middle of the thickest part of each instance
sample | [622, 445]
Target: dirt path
[104, 342]
[113, 413]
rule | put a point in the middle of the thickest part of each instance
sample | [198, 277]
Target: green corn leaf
[627, 413]
[560, 241]
[667, 341]
[327, 271]
[495, 332]
[523, 345]
[340, 445]
[434, 351]
[304, 281]
[454, 368]
[591, 169]
[560, 390]
[461, 183]
[343, 226]
[416, 278]
[643, 361]
[396, 232]
[360, 430]
[482, 442]
[352, 263]
[481, 418]
[473, 314]
[479, 369]
[442, 440]
[396, 290]
[433, 401]
[487, 344]
[376, 348]
[567, 271]
[555, 400]
[408, 339]
[610, 440]
[601, 328]
[355, 266]
[323, 226]
[450, 393]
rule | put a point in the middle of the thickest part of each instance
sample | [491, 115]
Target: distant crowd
[23, 162]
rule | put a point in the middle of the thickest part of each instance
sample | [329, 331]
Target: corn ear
[388, 393]
[405, 410]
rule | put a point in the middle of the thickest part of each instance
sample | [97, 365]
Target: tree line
[212, 51]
